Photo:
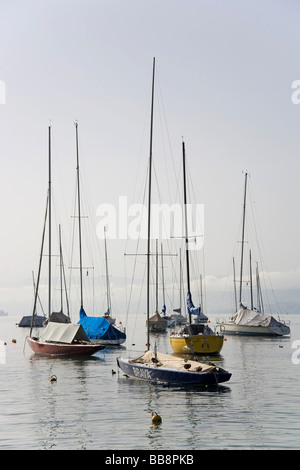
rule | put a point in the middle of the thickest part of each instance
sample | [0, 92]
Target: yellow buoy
[155, 417]
[53, 378]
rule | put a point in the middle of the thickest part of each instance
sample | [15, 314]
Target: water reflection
[60, 407]
[257, 408]
[185, 411]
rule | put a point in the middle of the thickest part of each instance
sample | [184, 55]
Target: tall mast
[243, 235]
[186, 226]
[234, 284]
[162, 275]
[49, 227]
[180, 283]
[61, 270]
[79, 217]
[63, 276]
[156, 278]
[201, 295]
[251, 290]
[149, 206]
[39, 269]
[260, 303]
[107, 277]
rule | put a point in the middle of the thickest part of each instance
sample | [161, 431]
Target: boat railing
[285, 322]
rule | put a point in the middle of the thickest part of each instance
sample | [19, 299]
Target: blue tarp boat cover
[99, 328]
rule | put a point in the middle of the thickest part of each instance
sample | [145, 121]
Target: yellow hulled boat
[196, 339]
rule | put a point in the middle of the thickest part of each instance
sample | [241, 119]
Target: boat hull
[198, 344]
[63, 349]
[246, 330]
[171, 376]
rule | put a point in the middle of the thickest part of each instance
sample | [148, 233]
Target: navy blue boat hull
[171, 376]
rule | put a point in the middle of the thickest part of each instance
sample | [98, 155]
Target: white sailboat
[251, 321]
[152, 365]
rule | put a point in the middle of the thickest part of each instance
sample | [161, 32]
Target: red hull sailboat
[63, 340]
[57, 338]
[59, 349]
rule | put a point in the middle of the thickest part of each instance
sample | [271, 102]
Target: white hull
[246, 330]
[253, 323]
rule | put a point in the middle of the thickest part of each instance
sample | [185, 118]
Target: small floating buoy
[113, 371]
[53, 378]
[155, 417]
[13, 340]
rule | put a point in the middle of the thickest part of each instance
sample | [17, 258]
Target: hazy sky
[224, 77]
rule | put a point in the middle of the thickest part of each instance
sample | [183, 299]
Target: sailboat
[157, 323]
[98, 329]
[107, 314]
[195, 338]
[60, 316]
[252, 321]
[177, 316]
[153, 365]
[62, 339]
[39, 320]
[168, 318]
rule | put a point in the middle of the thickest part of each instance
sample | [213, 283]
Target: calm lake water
[90, 407]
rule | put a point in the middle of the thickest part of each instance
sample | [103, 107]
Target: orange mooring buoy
[155, 417]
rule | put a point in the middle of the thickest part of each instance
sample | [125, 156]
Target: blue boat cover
[99, 328]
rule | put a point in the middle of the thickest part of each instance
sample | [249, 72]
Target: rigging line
[168, 241]
[166, 172]
[166, 127]
[126, 297]
[137, 313]
[262, 256]
[195, 266]
[135, 261]
[256, 230]
[191, 188]
[56, 159]
[143, 206]
[40, 265]
[72, 236]
[141, 159]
